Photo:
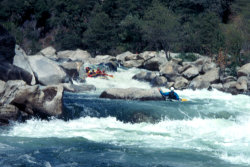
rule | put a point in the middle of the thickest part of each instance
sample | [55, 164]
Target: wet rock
[145, 76]
[159, 81]
[228, 79]
[78, 88]
[181, 83]
[46, 71]
[131, 94]
[21, 60]
[8, 112]
[244, 70]
[218, 86]
[191, 72]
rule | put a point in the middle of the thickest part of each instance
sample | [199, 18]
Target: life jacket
[171, 95]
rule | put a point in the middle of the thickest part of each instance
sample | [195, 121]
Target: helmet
[172, 88]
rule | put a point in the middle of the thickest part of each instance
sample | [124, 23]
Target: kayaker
[171, 95]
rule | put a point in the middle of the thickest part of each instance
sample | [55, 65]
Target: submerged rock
[131, 94]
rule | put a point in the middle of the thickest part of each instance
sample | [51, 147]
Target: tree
[159, 27]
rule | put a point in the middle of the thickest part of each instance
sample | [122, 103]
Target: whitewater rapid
[227, 139]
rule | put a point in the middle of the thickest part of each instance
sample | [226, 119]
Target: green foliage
[187, 57]
[159, 27]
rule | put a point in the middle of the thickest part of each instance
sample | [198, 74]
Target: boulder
[145, 76]
[204, 81]
[132, 57]
[191, 72]
[228, 79]
[121, 57]
[154, 63]
[242, 83]
[7, 46]
[12, 72]
[49, 52]
[34, 100]
[181, 83]
[101, 59]
[218, 86]
[72, 68]
[133, 63]
[183, 68]
[21, 60]
[147, 55]
[46, 71]
[229, 85]
[131, 94]
[208, 66]
[169, 70]
[159, 81]
[244, 70]
[77, 55]
[170, 84]
[2, 86]
[8, 112]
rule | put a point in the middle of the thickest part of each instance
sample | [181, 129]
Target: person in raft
[171, 94]
[98, 72]
[87, 70]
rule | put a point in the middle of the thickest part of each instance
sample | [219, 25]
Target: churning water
[209, 130]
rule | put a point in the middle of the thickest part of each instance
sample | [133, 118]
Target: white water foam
[227, 139]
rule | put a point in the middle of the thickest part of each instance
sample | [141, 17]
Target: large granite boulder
[244, 70]
[181, 83]
[147, 55]
[7, 46]
[169, 70]
[204, 81]
[46, 71]
[78, 88]
[33, 100]
[121, 57]
[131, 94]
[154, 63]
[145, 76]
[242, 83]
[77, 55]
[159, 81]
[8, 112]
[191, 73]
[21, 60]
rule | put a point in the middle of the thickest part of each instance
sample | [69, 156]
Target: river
[211, 129]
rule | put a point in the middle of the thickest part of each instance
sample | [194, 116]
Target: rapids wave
[212, 123]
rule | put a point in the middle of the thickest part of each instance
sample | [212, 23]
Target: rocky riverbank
[33, 85]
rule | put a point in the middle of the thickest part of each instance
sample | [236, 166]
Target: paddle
[184, 99]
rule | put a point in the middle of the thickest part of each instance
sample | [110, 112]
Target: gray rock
[208, 66]
[181, 83]
[131, 94]
[132, 57]
[148, 55]
[45, 101]
[170, 84]
[8, 112]
[133, 63]
[72, 68]
[191, 73]
[159, 81]
[229, 85]
[228, 79]
[121, 57]
[169, 70]
[242, 83]
[49, 52]
[77, 55]
[21, 60]
[46, 71]
[183, 68]
[2, 86]
[154, 63]
[78, 88]
[218, 86]
[145, 76]
[244, 70]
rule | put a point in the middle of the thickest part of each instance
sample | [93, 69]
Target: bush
[187, 56]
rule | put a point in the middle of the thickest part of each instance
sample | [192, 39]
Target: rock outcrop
[131, 94]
